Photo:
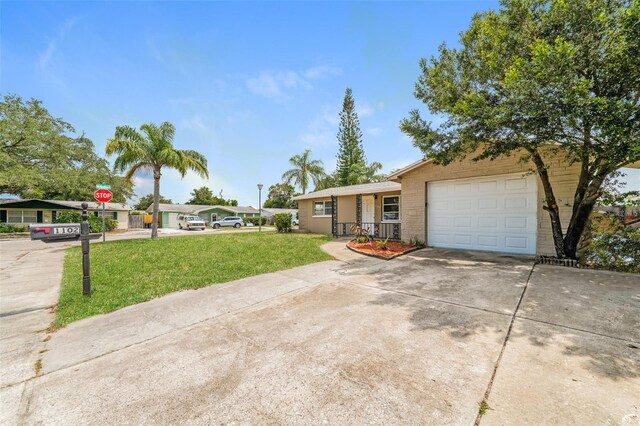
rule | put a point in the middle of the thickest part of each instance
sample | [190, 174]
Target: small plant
[361, 234]
[416, 242]
[483, 407]
[382, 245]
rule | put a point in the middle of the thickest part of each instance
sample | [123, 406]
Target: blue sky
[248, 84]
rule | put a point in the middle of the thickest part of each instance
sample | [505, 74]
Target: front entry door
[368, 213]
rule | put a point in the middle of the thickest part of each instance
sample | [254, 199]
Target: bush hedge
[95, 223]
[8, 228]
[619, 252]
[282, 222]
[254, 220]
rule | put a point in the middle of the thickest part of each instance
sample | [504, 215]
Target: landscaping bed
[381, 250]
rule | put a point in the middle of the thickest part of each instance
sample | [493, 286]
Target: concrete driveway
[420, 339]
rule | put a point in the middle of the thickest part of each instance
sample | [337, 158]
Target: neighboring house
[168, 213]
[489, 205]
[45, 211]
[335, 210]
[269, 212]
[220, 212]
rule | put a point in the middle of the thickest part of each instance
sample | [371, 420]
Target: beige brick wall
[564, 179]
[308, 222]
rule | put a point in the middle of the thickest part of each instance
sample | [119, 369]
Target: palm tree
[303, 169]
[151, 150]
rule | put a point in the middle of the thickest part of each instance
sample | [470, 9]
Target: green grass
[127, 272]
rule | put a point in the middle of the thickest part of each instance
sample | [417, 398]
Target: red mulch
[393, 248]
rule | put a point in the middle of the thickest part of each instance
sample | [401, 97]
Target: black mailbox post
[84, 238]
[59, 232]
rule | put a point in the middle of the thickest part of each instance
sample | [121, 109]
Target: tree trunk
[552, 205]
[156, 203]
[581, 214]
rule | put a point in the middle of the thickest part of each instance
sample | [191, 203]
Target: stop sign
[103, 195]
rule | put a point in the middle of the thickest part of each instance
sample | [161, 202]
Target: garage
[492, 213]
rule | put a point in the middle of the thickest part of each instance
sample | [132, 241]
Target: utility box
[53, 232]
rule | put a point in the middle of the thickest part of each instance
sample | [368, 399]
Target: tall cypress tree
[350, 151]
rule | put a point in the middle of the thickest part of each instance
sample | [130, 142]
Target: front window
[22, 216]
[322, 208]
[391, 208]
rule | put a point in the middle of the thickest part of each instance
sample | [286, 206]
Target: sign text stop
[103, 195]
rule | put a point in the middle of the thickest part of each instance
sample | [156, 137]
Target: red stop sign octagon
[103, 195]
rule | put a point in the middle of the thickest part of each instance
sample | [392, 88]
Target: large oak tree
[41, 158]
[534, 75]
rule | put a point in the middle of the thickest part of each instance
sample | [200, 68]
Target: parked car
[234, 221]
[189, 221]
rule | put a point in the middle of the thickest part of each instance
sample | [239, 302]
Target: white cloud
[278, 85]
[199, 126]
[322, 129]
[322, 71]
[44, 58]
[374, 131]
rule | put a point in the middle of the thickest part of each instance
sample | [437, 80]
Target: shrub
[8, 228]
[361, 234]
[254, 220]
[619, 252]
[95, 223]
[282, 222]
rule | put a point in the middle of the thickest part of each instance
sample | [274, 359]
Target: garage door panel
[515, 223]
[488, 204]
[496, 213]
[488, 242]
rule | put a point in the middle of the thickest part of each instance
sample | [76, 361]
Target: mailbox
[53, 232]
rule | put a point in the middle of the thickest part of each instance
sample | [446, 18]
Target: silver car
[189, 221]
[234, 221]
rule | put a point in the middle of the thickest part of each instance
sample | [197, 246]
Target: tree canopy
[538, 75]
[350, 151]
[204, 196]
[152, 150]
[304, 171]
[280, 197]
[39, 158]
[145, 201]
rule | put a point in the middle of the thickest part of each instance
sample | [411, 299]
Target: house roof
[236, 209]
[276, 210]
[365, 188]
[397, 175]
[76, 205]
[195, 208]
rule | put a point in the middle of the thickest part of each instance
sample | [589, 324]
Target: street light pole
[259, 207]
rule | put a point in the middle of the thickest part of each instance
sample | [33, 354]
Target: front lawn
[127, 272]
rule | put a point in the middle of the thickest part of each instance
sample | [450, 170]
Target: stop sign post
[103, 196]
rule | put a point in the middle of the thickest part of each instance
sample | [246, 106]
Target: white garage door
[495, 213]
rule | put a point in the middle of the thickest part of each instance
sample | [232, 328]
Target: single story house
[488, 205]
[168, 213]
[335, 210]
[45, 211]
